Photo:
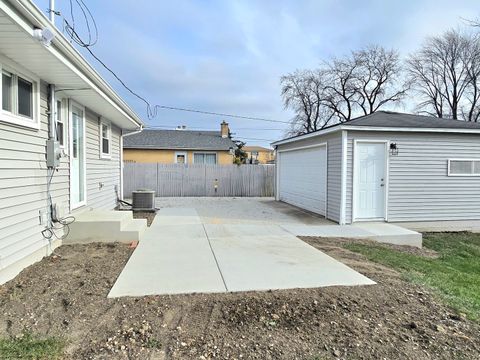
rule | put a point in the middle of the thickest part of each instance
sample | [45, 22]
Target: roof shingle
[178, 139]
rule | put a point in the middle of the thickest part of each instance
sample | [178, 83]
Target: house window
[60, 131]
[205, 158]
[180, 158]
[105, 139]
[464, 167]
[19, 99]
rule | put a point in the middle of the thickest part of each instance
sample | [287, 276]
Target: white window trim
[107, 123]
[205, 152]
[184, 153]
[64, 116]
[15, 119]
[80, 204]
[462, 175]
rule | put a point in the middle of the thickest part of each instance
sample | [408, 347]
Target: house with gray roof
[180, 146]
[387, 166]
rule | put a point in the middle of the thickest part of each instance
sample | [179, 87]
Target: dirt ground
[149, 215]
[65, 295]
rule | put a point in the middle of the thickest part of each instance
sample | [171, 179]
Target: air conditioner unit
[143, 200]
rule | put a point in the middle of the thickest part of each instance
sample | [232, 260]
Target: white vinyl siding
[334, 169]
[419, 186]
[23, 185]
[102, 176]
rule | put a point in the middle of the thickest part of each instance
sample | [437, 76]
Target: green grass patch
[30, 347]
[455, 274]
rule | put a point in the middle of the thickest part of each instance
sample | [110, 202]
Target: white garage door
[303, 178]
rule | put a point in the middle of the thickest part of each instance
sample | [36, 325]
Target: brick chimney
[224, 130]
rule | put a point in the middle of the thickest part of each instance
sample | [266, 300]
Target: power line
[164, 126]
[152, 110]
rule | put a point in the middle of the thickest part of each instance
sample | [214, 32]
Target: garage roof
[394, 121]
[403, 120]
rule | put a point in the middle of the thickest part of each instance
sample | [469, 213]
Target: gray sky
[228, 56]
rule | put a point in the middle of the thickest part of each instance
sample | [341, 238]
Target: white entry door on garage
[302, 178]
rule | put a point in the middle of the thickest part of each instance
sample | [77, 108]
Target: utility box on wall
[53, 154]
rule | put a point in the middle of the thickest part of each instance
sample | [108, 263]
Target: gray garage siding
[419, 188]
[334, 157]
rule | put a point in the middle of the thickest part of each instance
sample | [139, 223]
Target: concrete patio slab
[275, 259]
[177, 216]
[170, 259]
[179, 255]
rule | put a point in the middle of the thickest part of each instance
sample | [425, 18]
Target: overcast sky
[227, 56]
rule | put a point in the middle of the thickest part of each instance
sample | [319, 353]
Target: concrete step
[105, 226]
[132, 230]
[381, 232]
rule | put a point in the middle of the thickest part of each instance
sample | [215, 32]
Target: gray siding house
[385, 166]
[50, 94]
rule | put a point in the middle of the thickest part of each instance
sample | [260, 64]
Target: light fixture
[393, 149]
[45, 35]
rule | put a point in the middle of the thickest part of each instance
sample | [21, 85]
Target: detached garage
[384, 167]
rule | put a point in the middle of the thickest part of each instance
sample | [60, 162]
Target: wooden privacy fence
[199, 179]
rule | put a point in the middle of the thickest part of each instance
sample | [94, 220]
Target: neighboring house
[180, 146]
[384, 167]
[259, 155]
[48, 93]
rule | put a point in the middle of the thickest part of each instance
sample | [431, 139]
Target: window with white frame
[19, 98]
[105, 139]
[180, 158]
[61, 128]
[205, 158]
[464, 167]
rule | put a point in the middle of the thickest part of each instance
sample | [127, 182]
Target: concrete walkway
[183, 252]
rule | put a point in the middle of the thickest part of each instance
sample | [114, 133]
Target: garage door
[303, 178]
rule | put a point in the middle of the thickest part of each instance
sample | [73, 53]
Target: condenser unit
[143, 200]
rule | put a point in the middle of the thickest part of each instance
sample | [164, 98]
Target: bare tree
[445, 73]
[378, 78]
[342, 88]
[304, 93]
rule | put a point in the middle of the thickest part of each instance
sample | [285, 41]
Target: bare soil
[149, 215]
[65, 295]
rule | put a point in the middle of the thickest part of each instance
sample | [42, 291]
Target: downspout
[51, 112]
[120, 193]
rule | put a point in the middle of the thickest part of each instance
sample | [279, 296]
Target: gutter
[36, 17]
[377, 129]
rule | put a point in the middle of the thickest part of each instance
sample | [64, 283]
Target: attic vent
[143, 200]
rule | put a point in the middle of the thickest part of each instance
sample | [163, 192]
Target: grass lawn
[455, 274]
[29, 347]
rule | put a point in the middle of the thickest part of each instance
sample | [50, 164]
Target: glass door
[77, 157]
